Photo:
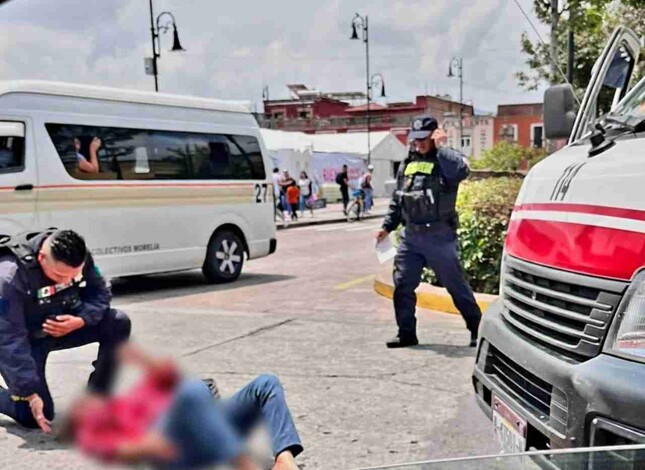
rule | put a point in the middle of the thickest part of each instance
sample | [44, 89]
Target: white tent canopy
[322, 155]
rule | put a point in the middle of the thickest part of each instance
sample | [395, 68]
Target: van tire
[224, 258]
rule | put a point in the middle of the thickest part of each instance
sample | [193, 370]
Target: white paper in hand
[385, 250]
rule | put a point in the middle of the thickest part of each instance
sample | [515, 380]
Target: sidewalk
[333, 213]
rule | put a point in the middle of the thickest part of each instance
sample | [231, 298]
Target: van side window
[139, 154]
[85, 151]
[168, 155]
[247, 148]
[12, 147]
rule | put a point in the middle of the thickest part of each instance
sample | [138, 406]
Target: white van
[561, 358]
[154, 182]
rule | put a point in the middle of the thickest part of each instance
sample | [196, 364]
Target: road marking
[364, 227]
[355, 282]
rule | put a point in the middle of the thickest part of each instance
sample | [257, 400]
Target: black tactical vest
[425, 196]
[44, 301]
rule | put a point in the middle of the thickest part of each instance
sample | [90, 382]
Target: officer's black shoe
[398, 342]
[473, 339]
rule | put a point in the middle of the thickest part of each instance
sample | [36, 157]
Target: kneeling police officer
[424, 201]
[52, 297]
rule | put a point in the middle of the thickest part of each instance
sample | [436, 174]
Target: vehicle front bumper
[604, 389]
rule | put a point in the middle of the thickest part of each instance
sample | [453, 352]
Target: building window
[12, 147]
[537, 135]
[508, 132]
[465, 141]
[278, 115]
[138, 154]
[304, 113]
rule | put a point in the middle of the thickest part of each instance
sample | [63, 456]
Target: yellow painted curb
[434, 298]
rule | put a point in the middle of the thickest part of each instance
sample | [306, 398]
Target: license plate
[509, 428]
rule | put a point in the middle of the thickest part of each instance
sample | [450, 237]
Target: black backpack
[340, 178]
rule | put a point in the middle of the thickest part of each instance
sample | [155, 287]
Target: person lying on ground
[169, 421]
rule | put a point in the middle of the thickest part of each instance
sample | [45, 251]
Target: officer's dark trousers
[113, 330]
[436, 250]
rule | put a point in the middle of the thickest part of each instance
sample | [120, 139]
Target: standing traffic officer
[424, 202]
[52, 297]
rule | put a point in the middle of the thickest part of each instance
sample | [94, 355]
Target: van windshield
[634, 106]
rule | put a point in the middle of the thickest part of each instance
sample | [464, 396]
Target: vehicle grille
[563, 312]
[539, 397]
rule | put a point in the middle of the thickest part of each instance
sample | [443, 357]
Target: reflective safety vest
[425, 196]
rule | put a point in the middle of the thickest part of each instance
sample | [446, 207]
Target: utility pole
[570, 56]
[553, 46]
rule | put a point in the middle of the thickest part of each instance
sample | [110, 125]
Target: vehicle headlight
[628, 331]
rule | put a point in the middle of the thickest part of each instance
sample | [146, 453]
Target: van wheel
[224, 258]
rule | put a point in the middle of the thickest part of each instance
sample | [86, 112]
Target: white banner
[325, 167]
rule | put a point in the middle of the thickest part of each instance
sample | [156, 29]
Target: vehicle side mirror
[559, 111]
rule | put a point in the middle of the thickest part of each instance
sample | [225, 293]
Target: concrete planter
[428, 296]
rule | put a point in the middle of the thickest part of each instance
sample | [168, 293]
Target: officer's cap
[421, 127]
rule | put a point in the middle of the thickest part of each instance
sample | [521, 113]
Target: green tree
[592, 22]
[506, 156]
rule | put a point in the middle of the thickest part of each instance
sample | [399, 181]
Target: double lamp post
[370, 80]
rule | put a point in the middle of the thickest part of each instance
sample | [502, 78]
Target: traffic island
[428, 296]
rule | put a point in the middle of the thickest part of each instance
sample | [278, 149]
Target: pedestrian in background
[343, 181]
[277, 194]
[306, 193]
[368, 189]
[293, 198]
[285, 182]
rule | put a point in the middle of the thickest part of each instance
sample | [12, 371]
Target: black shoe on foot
[473, 339]
[398, 342]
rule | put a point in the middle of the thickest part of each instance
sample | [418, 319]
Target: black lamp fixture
[156, 42]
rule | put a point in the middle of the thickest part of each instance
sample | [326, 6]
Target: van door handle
[24, 187]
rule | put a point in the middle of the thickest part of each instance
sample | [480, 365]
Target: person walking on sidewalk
[424, 201]
[277, 194]
[306, 193]
[293, 199]
[343, 181]
[368, 189]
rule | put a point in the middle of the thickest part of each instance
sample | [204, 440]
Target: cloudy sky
[235, 47]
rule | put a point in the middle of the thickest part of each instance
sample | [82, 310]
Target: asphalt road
[310, 315]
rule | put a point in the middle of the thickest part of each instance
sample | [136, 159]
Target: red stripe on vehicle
[584, 209]
[587, 249]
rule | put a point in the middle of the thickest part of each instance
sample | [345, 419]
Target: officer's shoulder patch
[97, 270]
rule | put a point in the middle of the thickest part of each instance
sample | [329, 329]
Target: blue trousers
[369, 202]
[436, 250]
[212, 432]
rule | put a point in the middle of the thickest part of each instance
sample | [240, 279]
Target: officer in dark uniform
[424, 201]
[52, 297]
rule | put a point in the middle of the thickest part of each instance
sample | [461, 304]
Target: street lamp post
[458, 63]
[156, 42]
[362, 22]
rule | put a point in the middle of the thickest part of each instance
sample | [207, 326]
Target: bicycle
[357, 207]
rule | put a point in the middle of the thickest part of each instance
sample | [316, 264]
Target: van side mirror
[559, 111]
